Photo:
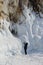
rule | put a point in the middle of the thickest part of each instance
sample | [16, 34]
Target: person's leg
[25, 48]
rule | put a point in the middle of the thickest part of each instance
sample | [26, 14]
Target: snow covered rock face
[24, 26]
[30, 29]
[9, 45]
[37, 29]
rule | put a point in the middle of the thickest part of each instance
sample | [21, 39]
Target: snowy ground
[35, 59]
[11, 47]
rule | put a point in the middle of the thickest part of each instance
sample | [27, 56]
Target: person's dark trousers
[25, 48]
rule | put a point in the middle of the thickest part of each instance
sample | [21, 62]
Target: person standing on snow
[25, 47]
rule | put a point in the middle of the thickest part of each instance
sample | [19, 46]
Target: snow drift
[8, 43]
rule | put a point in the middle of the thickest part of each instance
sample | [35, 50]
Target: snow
[8, 43]
[35, 59]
